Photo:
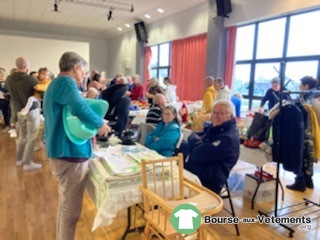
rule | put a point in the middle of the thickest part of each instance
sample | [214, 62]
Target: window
[288, 44]
[304, 36]
[242, 78]
[244, 44]
[296, 70]
[263, 74]
[271, 39]
[160, 61]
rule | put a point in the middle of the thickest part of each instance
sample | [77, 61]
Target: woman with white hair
[213, 156]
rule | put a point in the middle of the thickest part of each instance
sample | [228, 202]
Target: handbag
[260, 127]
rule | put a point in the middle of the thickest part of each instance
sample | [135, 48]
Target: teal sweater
[164, 138]
[61, 92]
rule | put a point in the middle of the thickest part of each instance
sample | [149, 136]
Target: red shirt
[137, 92]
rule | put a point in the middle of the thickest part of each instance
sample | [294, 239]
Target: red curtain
[188, 66]
[232, 31]
[147, 60]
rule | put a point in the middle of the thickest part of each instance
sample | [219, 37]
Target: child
[40, 88]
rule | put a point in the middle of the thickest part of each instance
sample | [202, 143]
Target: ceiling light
[127, 25]
[147, 16]
[160, 10]
[119, 28]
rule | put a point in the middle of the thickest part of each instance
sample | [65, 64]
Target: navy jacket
[289, 132]
[213, 157]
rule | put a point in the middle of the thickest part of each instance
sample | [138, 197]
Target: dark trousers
[4, 107]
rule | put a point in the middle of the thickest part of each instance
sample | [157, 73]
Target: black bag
[260, 127]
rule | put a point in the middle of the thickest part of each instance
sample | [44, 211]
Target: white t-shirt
[186, 218]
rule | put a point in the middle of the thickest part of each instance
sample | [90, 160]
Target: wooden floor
[28, 202]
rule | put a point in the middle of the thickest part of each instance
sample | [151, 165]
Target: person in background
[34, 74]
[223, 90]
[69, 161]
[93, 93]
[209, 94]
[167, 133]
[170, 91]
[212, 156]
[303, 178]
[153, 89]
[40, 89]
[272, 95]
[116, 79]
[21, 86]
[4, 101]
[236, 100]
[308, 83]
[154, 115]
[137, 88]
[90, 79]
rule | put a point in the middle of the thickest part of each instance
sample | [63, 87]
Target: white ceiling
[80, 20]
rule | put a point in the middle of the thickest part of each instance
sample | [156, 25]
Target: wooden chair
[164, 188]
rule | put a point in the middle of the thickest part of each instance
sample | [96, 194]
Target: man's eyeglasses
[219, 113]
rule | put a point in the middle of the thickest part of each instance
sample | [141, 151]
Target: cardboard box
[266, 192]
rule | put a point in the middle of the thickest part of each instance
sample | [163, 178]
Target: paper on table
[120, 165]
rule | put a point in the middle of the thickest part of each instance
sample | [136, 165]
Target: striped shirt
[154, 115]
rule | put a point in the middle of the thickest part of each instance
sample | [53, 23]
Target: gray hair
[154, 81]
[228, 105]
[69, 59]
[137, 77]
[209, 79]
[123, 80]
[22, 63]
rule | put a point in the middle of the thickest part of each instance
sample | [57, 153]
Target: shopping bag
[260, 127]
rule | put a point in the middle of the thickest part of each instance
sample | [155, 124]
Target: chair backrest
[164, 177]
[179, 140]
[143, 130]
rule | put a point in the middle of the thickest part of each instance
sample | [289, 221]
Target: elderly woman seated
[166, 135]
[212, 157]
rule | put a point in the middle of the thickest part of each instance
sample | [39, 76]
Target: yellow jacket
[209, 95]
[315, 130]
[41, 87]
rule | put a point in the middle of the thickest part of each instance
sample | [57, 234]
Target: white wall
[190, 22]
[244, 11]
[122, 54]
[46, 49]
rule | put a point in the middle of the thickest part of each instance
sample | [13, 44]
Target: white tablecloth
[118, 193]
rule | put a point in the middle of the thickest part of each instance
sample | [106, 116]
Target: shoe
[19, 163]
[13, 133]
[299, 184]
[6, 129]
[31, 166]
[309, 182]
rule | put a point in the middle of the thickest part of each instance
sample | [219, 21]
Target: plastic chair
[164, 188]
[76, 130]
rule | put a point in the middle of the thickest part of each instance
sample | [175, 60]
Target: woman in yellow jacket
[209, 95]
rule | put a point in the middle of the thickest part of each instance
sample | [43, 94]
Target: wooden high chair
[163, 189]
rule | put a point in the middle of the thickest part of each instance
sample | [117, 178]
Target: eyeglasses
[219, 113]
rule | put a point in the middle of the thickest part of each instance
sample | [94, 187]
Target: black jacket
[213, 157]
[289, 132]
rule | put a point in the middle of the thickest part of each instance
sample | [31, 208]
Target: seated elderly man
[212, 157]
[154, 115]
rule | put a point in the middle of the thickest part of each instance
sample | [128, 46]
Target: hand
[104, 130]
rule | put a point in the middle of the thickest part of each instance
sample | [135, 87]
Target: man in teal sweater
[68, 160]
